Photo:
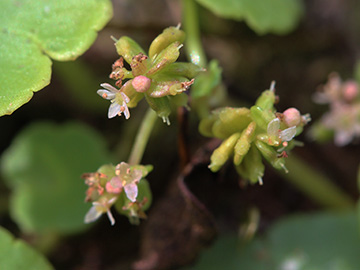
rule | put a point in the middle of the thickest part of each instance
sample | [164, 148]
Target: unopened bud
[350, 90]
[141, 83]
[292, 117]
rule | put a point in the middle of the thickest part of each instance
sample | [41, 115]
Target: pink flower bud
[141, 83]
[292, 117]
[350, 90]
[114, 185]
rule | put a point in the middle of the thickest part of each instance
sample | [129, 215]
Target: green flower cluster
[123, 186]
[155, 76]
[250, 134]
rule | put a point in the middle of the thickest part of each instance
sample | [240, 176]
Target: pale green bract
[33, 31]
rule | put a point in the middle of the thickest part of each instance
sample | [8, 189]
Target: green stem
[193, 46]
[142, 137]
[316, 185]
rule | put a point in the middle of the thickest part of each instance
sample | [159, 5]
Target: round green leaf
[17, 255]
[33, 31]
[308, 242]
[43, 167]
[263, 16]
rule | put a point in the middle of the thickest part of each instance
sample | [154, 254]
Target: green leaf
[319, 241]
[33, 31]
[17, 255]
[263, 16]
[43, 167]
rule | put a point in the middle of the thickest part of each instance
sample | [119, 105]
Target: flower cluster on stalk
[252, 134]
[156, 75]
[342, 121]
[123, 186]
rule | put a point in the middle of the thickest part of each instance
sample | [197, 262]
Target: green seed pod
[223, 152]
[242, 146]
[133, 95]
[180, 100]
[135, 100]
[206, 125]
[168, 36]
[270, 154]
[266, 100]
[299, 130]
[128, 48]
[109, 171]
[252, 167]
[166, 57]
[231, 120]
[187, 70]
[261, 117]
[161, 106]
[166, 88]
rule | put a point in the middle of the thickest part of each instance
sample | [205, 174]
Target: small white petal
[131, 191]
[273, 127]
[126, 111]
[111, 218]
[123, 167]
[109, 87]
[272, 86]
[92, 215]
[136, 175]
[125, 97]
[114, 109]
[112, 200]
[106, 94]
[287, 134]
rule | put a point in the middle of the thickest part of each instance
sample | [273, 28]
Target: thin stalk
[316, 185]
[194, 48]
[142, 137]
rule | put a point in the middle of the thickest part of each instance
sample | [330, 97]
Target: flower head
[129, 179]
[120, 186]
[155, 76]
[100, 207]
[252, 134]
[343, 117]
[119, 100]
[276, 135]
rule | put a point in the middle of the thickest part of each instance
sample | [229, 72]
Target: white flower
[119, 100]
[99, 207]
[129, 178]
[277, 135]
